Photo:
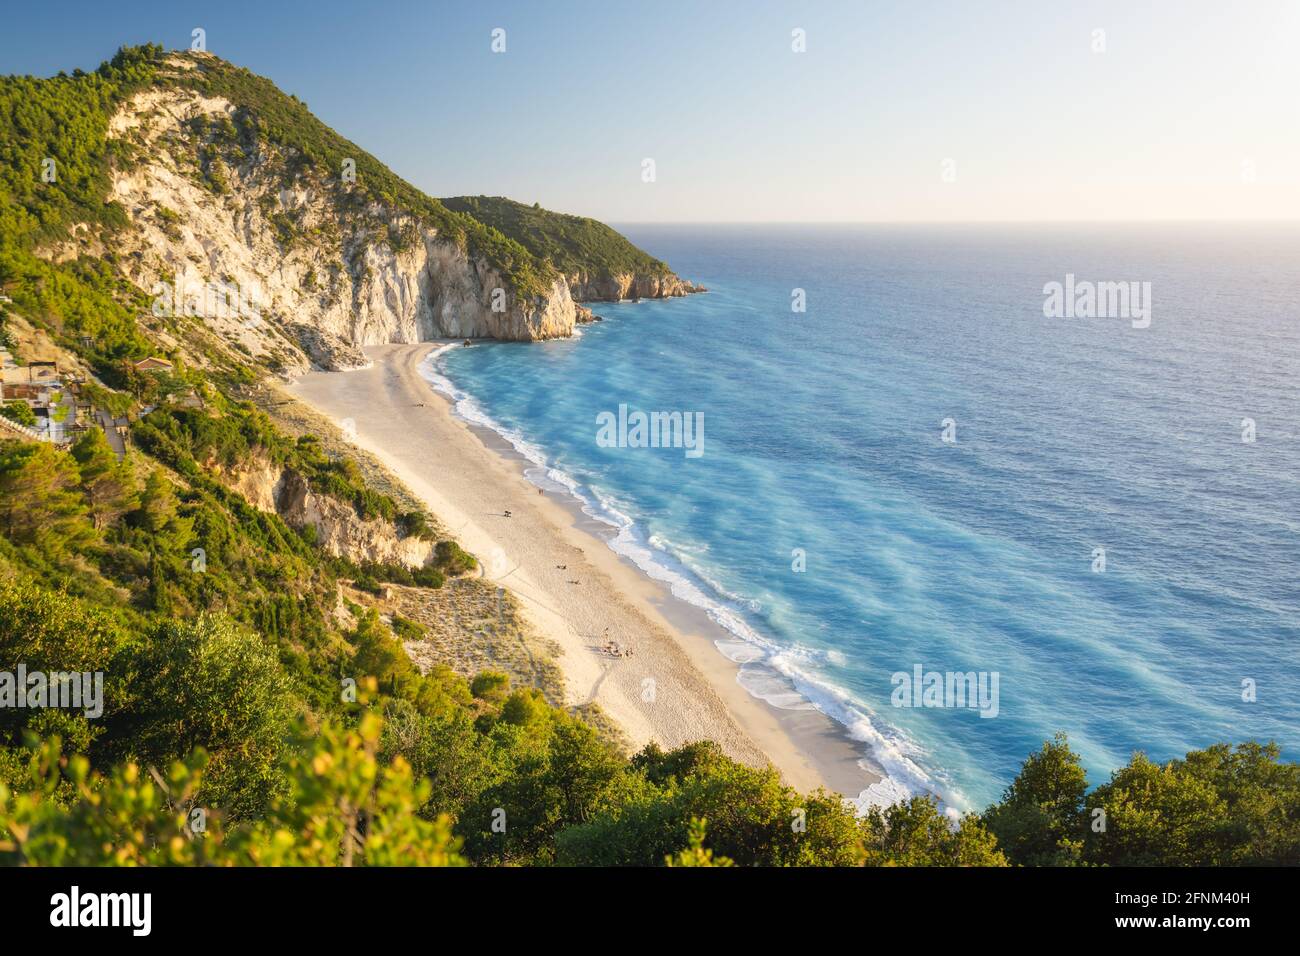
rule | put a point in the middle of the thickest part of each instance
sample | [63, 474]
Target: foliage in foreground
[226, 686]
[245, 709]
[342, 808]
[1221, 806]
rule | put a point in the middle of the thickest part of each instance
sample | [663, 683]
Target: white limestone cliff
[288, 274]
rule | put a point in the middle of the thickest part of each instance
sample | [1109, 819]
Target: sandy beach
[675, 686]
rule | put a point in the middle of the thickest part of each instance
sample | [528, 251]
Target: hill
[174, 199]
[598, 262]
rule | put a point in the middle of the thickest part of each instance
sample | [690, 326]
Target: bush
[753, 818]
[490, 686]
[1221, 806]
[212, 685]
[342, 807]
[415, 524]
[406, 629]
[452, 559]
[427, 577]
[20, 412]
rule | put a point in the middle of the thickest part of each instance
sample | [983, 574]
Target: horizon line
[943, 222]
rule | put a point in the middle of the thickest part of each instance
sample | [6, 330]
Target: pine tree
[39, 504]
[169, 535]
[108, 484]
[157, 502]
[158, 515]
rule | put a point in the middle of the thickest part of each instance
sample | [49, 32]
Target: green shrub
[490, 685]
[406, 629]
[427, 577]
[20, 412]
[452, 559]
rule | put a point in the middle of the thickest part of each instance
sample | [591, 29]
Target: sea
[931, 490]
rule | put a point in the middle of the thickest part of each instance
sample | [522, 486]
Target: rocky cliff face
[339, 530]
[588, 288]
[291, 274]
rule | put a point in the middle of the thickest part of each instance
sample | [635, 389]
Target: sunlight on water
[824, 436]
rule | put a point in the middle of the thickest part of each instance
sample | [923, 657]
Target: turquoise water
[823, 431]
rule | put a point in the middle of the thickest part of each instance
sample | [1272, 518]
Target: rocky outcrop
[339, 530]
[587, 288]
[294, 275]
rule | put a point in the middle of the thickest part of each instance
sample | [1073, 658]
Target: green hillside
[573, 244]
[65, 119]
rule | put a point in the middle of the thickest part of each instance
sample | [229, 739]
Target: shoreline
[575, 590]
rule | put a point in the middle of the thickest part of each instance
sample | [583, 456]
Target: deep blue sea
[824, 431]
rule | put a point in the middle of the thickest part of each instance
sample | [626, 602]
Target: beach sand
[676, 687]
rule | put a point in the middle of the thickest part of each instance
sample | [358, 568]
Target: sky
[912, 111]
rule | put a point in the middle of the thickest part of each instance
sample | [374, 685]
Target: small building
[154, 364]
[40, 374]
[23, 390]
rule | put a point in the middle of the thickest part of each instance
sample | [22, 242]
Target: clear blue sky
[1192, 111]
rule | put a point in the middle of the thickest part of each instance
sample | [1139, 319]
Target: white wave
[768, 685]
[468, 409]
[685, 557]
[740, 652]
[889, 748]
